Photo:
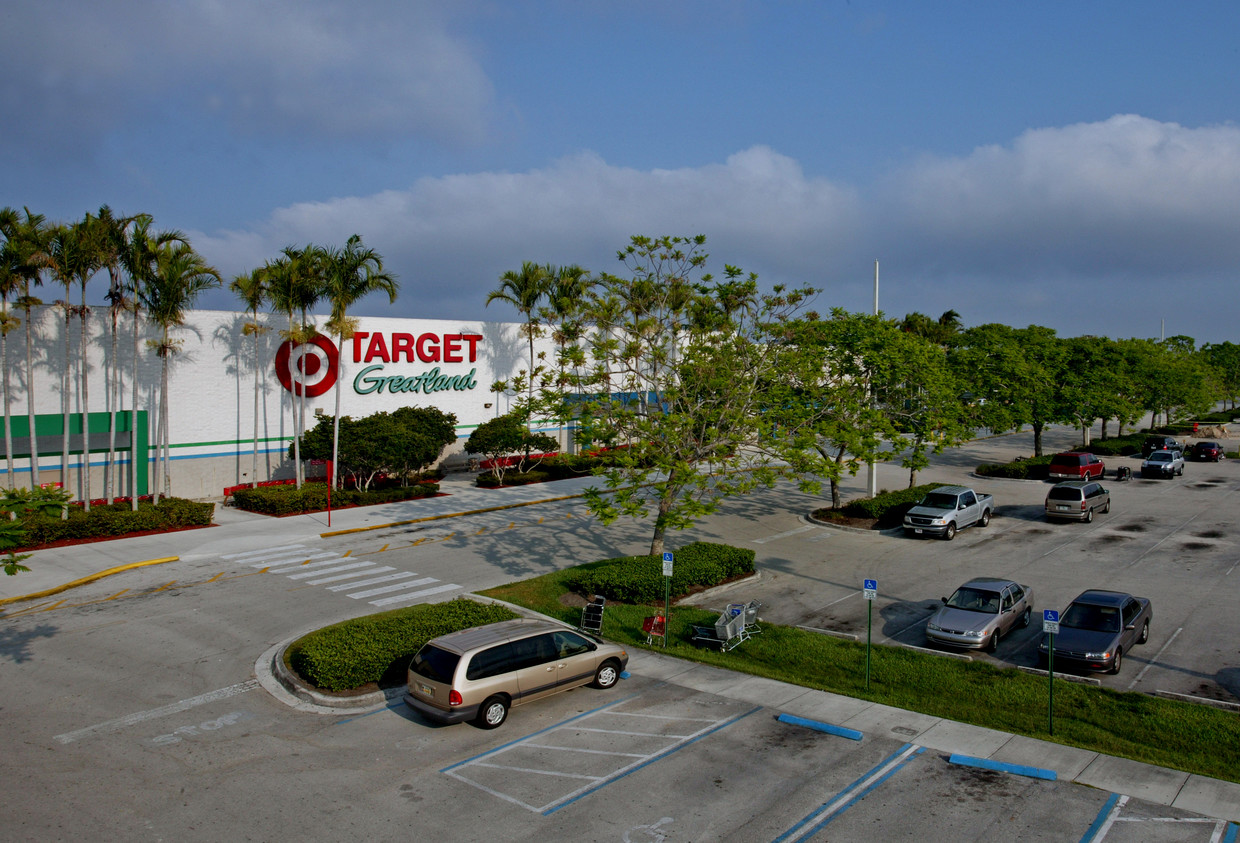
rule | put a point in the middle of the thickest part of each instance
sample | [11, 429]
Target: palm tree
[180, 275]
[350, 274]
[30, 239]
[112, 239]
[568, 287]
[10, 286]
[71, 257]
[139, 260]
[251, 288]
[525, 290]
[294, 286]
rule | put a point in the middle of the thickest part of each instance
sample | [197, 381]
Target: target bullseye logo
[311, 367]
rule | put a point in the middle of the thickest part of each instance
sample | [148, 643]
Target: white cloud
[1126, 201]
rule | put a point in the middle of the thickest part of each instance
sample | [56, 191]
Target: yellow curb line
[118, 569]
[447, 515]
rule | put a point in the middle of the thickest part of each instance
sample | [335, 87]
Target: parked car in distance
[1077, 500]
[1207, 451]
[1097, 628]
[1076, 465]
[480, 673]
[979, 613]
[1160, 443]
[1163, 464]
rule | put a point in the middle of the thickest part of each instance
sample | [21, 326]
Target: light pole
[873, 468]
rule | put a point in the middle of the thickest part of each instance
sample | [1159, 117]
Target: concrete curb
[119, 569]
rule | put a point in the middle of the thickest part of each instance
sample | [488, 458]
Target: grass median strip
[1183, 736]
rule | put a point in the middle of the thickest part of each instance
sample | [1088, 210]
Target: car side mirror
[944, 599]
[1131, 626]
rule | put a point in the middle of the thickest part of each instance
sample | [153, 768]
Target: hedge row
[1033, 468]
[353, 653]
[312, 497]
[639, 579]
[116, 519]
[888, 507]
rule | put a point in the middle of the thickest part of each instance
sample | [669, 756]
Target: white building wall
[212, 384]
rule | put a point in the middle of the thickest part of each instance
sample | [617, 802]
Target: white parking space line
[783, 535]
[553, 755]
[1152, 661]
[132, 719]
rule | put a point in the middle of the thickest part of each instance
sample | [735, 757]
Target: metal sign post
[1050, 625]
[667, 593]
[870, 587]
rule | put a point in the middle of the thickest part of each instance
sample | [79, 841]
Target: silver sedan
[981, 612]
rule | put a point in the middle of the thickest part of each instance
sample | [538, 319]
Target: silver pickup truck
[946, 510]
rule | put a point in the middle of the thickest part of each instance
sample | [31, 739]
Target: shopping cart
[730, 630]
[655, 627]
[592, 616]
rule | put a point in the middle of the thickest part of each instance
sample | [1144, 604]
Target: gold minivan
[479, 673]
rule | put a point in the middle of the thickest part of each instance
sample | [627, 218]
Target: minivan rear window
[1068, 494]
[435, 664]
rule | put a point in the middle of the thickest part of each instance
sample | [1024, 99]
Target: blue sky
[1073, 165]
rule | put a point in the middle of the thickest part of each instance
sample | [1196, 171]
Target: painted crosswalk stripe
[387, 601]
[250, 553]
[357, 595]
[286, 559]
[349, 576]
[400, 576]
[337, 568]
[303, 562]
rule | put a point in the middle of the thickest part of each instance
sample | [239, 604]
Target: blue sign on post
[1050, 621]
[667, 563]
[870, 587]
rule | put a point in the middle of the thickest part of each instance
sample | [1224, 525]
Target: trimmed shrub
[356, 652]
[116, 519]
[639, 579]
[513, 478]
[1119, 446]
[889, 507]
[312, 497]
[1033, 468]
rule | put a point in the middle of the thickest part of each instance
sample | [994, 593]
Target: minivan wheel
[607, 676]
[1089, 516]
[1106, 507]
[492, 713]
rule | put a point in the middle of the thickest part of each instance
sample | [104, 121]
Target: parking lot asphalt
[784, 590]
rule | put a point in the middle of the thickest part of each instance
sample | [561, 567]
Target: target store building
[221, 380]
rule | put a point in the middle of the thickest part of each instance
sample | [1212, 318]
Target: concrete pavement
[61, 568]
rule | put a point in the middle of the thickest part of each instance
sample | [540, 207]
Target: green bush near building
[356, 652]
[886, 508]
[115, 519]
[312, 497]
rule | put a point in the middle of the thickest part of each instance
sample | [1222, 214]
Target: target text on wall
[313, 367]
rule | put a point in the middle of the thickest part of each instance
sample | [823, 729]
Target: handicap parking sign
[870, 587]
[1050, 621]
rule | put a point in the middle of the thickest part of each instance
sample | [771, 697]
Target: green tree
[680, 371]
[504, 436]
[350, 274]
[401, 443]
[180, 275]
[1224, 359]
[10, 288]
[525, 289]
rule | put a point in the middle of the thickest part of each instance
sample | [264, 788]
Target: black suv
[1160, 443]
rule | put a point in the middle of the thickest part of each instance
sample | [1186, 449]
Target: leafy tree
[349, 274]
[1224, 359]
[681, 371]
[400, 444]
[507, 435]
[10, 287]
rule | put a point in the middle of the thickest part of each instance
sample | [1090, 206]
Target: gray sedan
[1097, 628]
[980, 612]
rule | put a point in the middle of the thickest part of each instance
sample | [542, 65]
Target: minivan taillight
[1083, 505]
[454, 697]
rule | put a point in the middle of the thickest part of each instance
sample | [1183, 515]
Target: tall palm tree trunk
[133, 419]
[85, 406]
[8, 417]
[257, 389]
[65, 404]
[113, 400]
[34, 442]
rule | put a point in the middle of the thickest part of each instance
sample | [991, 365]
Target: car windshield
[975, 600]
[1088, 616]
[936, 500]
